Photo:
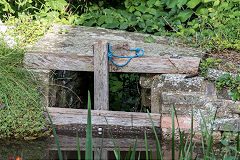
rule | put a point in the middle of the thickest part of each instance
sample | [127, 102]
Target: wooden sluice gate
[86, 49]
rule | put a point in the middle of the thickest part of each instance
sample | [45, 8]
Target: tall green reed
[55, 138]
[88, 152]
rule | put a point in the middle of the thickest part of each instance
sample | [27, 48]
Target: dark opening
[70, 88]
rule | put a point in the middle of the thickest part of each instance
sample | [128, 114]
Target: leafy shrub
[207, 23]
[216, 25]
[230, 82]
[124, 93]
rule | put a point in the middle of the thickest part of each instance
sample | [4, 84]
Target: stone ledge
[214, 74]
[195, 99]
[146, 80]
[173, 82]
[230, 124]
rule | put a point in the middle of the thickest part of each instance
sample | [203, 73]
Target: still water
[46, 149]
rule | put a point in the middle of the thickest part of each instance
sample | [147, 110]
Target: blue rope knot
[110, 55]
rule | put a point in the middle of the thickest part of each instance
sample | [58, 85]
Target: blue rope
[110, 55]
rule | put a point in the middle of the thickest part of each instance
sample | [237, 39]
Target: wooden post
[101, 79]
[156, 97]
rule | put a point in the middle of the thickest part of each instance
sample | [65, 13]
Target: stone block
[184, 122]
[180, 109]
[223, 94]
[146, 80]
[195, 99]
[178, 82]
[229, 124]
[214, 74]
[146, 97]
[210, 89]
[225, 108]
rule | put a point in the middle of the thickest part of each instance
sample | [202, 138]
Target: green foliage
[231, 83]
[21, 111]
[124, 94]
[210, 24]
[216, 26]
[14, 8]
[149, 39]
[89, 145]
[208, 63]
[150, 16]
[55, 138]
[26, 30]
[206, 23]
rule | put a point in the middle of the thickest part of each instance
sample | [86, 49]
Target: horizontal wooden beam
[68, 116]
[68, 143]
[145, 64]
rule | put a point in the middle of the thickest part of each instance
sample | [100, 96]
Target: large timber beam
[144, 64]
[128, 124]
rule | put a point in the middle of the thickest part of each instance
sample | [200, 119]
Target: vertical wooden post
[101, 79]
[156, 97]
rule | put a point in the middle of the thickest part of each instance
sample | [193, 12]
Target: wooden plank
[55, 61]
[159, 65]
[68, 143]
[101, 78]
[79, 40]
[68, 116]
[144, 64]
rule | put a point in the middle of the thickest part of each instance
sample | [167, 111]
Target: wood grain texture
[68, 116]
[56, 61]
[79, 40]
[68, 143]
[101, 78]
[144, 64]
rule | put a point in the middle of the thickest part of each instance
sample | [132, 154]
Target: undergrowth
[210, 24]
[21, 112]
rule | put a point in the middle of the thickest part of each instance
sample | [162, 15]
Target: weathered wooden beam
[144, 64]
[68, 143]
[101, 78]
[68, 116]
[120, 124]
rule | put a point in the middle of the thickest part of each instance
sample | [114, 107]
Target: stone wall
[164, 90]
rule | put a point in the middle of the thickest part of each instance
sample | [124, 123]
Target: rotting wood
[144, 64]
[69, 143]
[101, 78]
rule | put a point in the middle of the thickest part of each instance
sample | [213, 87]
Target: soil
[231, 60]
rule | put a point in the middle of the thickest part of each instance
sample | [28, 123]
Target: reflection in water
[46, 150]
[43, 150]
[27, 150]
[72, 155]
